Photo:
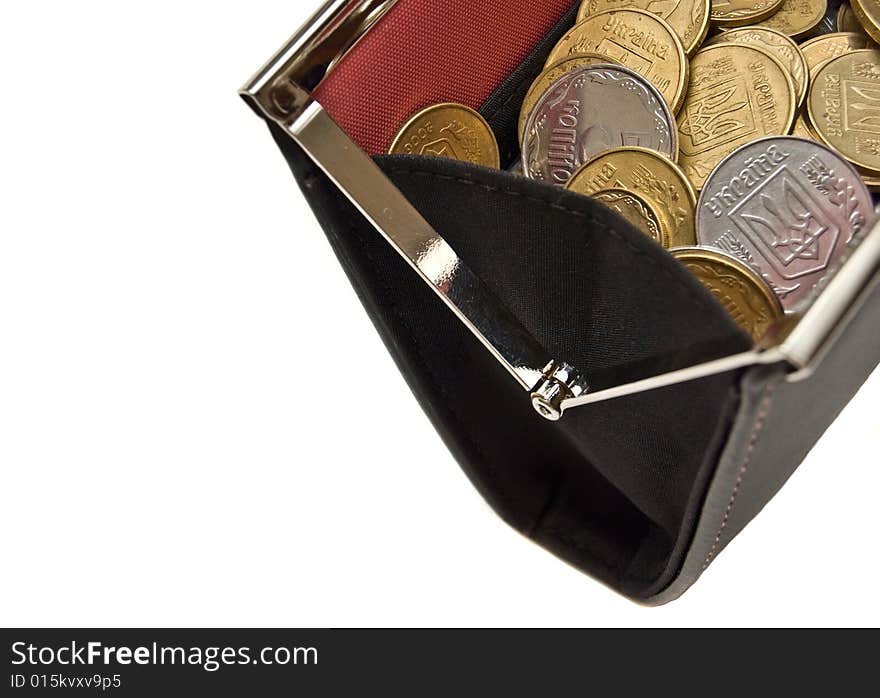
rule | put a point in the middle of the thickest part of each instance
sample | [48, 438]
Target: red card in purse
[424, 52]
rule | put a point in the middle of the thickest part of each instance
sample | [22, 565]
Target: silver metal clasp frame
[279, 93]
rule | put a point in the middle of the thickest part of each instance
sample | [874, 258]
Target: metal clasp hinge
[561, 382]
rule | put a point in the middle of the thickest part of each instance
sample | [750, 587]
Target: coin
[592, 109]
[546, 79]
[736, 13]
[634, 38]
[823, 48]
[844, 106]
[779, 46]
[689, 19]
[867, 13]
[740, 290]
[657, 180]
[796, 18]
[449, 131]
[817, 52]
[634, 209]
[787, 207]
[804, 129]
[738, 93]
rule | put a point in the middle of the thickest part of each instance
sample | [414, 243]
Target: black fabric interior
[613, 488]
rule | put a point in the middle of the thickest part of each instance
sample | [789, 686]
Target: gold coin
[736, 13]
[657, 180]
[637, 39]
[844, 106]
[738, 94]
[804, 129]
[796, 18]
[745, 295]
[778, 45]
[633, 208]
[823, 48]
[550, 75]
[689, 19]
[818, 52]
[867, 14]
[449, 131]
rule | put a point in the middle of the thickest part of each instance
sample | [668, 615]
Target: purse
[596, 394]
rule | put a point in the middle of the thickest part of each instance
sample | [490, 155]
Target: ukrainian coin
[592, 109]
[689, 19]
[741, 292]
[867, 13]
[736, 13]
[804, 129]
[634, 38]
[546, 79]
[817, 52]
[797, 18]
[776, 44]
[787, 207]
[449, 131]
[635, 210]
[657, 180]
[738, 93]
[823, 48]
[844, 106]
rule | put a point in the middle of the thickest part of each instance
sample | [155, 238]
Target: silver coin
[591, 109]
[786, 206]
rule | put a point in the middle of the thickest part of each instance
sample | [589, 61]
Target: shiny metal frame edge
[276, 94]
[430, 256]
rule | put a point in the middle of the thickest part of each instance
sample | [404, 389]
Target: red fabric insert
[428, 51]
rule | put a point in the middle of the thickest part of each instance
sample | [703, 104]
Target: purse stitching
[566, 209]
[757, 430]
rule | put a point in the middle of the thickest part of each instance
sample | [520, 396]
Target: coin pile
[741, 135]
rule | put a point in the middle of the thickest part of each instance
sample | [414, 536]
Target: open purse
[597, 395]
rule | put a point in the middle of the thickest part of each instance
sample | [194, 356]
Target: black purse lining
[614, 488]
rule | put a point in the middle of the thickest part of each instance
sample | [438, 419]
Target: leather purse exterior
[777, 425]
[641, 492]
[566, 485]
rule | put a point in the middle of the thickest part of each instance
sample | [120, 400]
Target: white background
[172, 449]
